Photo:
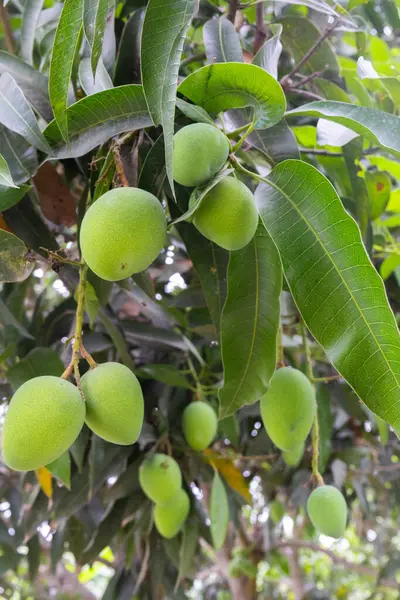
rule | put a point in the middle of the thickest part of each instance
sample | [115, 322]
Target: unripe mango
[327, 510]
[122, 233]
[276, 511]
[199, 425]
[200, 151]
[114, 403]
[227, 215]
[160, 477]
[170, 517]
[44, 418]
[293, 457]
[288, 408]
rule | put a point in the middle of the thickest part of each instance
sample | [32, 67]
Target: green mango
[169, 517]
[160, 477]
[327, 510]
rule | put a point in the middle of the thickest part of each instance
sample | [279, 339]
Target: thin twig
[8, 34]
[193, 58]
[261, 35]
[306, 94]
[310, 52]
[119, 167]
[305, 80]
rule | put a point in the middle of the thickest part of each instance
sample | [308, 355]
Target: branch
[328, 30]
[260, 27]
[8, 34]
[306, 94]
[233, 7]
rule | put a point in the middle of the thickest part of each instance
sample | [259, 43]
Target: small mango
[327, 510]
[199, 425]
[170, 517]
[160, 477]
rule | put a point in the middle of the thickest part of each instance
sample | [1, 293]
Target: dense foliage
[98, 94]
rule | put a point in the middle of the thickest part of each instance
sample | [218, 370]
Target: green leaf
[352, 154]
[89, 122]
[33, 556]
[103, 535]
[379, 187]
[164, 31]
[39, 361]
[250, 322]
[193, 112]
[11, 196]
[30, 18]
[235, 85]
[20, 156]
[5, 175]
[65, 46]
[91, 303]
[127, 69]
[376, 126]
[17, 115]
[389, 265]
[167, 374]
[268, 55]
[219, 512]
[325, 422]
[15, 262]
[190, 539]
[33, 83]
[94, 23]
[298, 36]
[337, 290]
[61, 469]
[105, 176]
[222, 41]
[92, 84]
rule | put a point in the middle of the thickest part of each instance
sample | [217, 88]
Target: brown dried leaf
[56, 200]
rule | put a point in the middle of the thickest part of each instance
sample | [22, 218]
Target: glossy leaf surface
[28, 30]
[222, 41]
[94, 23]
[5, 175]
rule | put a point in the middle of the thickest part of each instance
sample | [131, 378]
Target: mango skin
[288, 408]
[227, 215]
[200, 151]
[160, 478]
[114, 403]
[276, 511]
[293, 457]
[122, 233]
[327, 510]
[44, 418]
[169, 517]
[199, 425]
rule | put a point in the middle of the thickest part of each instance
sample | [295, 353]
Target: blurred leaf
[11, 196]
[105, 176]
[91, 84]
[232, 475]
[60, 468]
[389, 265]
[188, 547]
[101, 454]
[379, 187]
[325, 422]
[30, 19]
[5, 175]
[56, 199]
[127, 483]
[127, 69]
[167, 23]
[44, 478]
[234, 85]
[104, 533]
[229, 428]
[167, 374]
[193, 112]
[251, 314]
[78, 448]
[91, 303]
[268, 55]
[21, 157]
[34, 556]
[57, 545]
[331, 286]
[94, 23]
[8, 319]
[352, 154]
[38, 362]
[89, 122]
[15, 261]
[219, 512]
[65, 46]
[222, 41]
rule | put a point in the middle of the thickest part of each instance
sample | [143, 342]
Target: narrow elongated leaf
[250, 322]
[90, 83]
[127, 69]
[352, 152]
[39, 361]
[33, 83]
[94, 23]
[21, 157]
[268, 55]
[222, 41]
[325, 426]
[17, 115]
[30, 18]
[235, 85]
[94, 119]
[5, 175]
[164, 30]
[190, 539]
[193, 112]
[11, 196]
[377, 126]
[65, 45]
[337, 290]
[15, 264]
[219, 512]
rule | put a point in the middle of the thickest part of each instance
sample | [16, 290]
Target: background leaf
[251, 314]
[11, 196]
[30, 19]
[94, 23]
[268, 55]
[339, 294]
[92, 84]
[61, 469]
[5, 175]
[20, 156]
[222, 41]
[15, 264]
[39, 361]
[219, 512]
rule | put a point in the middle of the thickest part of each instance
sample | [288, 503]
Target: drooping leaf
[268, 55]
[33, 83]
[376, 126]
[352, 153]
[231, 473]
[338, 292]
[20, 156]
[30, 19]
[127, 69]
[39, 361]
[250, 322]
[64, 48]
[164, 31]
[15, 262]
[5, 175]
[219, 512]
[389, 265]
[92, 303]
[222, 86]
[60, 468]
[11, 196]
[17, 115]
[193, 112]
[93, 84]
[89, 122]
[190, 539]
[105, 177]
[94, 23]
[103, 535]
[34, 556]
[222, 41]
